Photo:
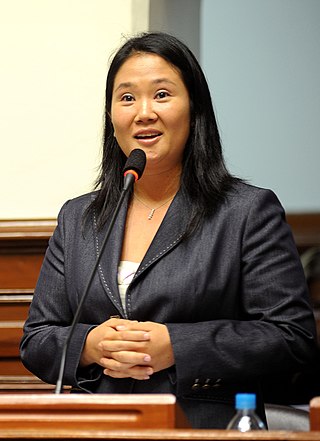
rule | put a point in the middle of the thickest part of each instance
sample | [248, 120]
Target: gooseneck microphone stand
[133, 170]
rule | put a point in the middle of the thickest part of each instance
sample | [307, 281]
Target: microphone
[134, 167]
[132, 171]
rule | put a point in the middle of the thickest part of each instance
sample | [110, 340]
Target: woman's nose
[145, 111]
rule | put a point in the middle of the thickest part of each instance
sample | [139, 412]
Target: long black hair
[205, 179]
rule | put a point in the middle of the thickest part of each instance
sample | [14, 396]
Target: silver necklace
[152, 210]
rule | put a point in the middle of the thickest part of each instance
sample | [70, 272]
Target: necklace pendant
[151, 213]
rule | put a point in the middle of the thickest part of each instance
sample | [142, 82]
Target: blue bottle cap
[245, 401]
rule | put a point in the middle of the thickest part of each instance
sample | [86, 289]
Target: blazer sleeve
[275, 328]
[48, 324]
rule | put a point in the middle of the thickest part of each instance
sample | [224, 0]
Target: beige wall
[54, 58]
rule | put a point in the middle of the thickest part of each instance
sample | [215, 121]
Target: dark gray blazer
[233, 297]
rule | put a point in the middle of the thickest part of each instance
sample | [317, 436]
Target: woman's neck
[158, 187]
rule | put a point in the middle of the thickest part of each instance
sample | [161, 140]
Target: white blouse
[126, 272]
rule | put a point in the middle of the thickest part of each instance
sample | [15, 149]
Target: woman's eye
[127, 97]
[162, 94]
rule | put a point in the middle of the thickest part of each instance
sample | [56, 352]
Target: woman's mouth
[147, 135]
[147, 138]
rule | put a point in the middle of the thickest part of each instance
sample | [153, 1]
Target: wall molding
[27, 229]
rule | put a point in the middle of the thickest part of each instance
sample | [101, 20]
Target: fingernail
[146, 336]
[120, 328]
[147, 358]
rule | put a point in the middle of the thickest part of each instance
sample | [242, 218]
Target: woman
[200, 268]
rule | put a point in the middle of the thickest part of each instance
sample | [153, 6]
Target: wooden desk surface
[113, 417]
[160, 434]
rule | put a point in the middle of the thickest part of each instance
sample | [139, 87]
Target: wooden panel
[305, 228]
[22, 247]
[26, 384]
[315, 414]
[24, 389]
[12, 367]
[14, 306]
[20, 270]
[13, 311]
[85, 411]
[10, 337]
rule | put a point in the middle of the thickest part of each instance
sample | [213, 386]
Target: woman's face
[150, 110]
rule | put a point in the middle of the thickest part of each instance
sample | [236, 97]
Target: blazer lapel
[169, 233]
[108, 267]
[168, 236]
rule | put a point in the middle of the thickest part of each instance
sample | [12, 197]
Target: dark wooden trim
[25, 237]
[305, 228]
[14, 295]
[26, 229]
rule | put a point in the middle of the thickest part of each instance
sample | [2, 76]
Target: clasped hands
[128, 349]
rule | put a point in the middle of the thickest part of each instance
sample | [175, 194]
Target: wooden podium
[69, 413]
[113, 417]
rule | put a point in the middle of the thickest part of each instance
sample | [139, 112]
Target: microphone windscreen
[136, 161]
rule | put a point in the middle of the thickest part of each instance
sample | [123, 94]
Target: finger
[132, 335]
[114, 322]
[136, 373]
[119, 345]
[132, 358]
[127, 335]
[123, 360]
[114, 365]
[134, 325]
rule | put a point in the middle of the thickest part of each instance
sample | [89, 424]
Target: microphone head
[136, 162]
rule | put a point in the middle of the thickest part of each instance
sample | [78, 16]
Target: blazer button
[196, 385]
[207, 384]
[217, 383]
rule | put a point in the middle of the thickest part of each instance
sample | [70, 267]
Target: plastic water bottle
[246, 418]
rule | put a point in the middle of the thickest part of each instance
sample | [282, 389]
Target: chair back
[280, 417]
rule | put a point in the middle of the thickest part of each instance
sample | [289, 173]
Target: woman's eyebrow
[163, 80]
[125, 85]
[128, 84]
